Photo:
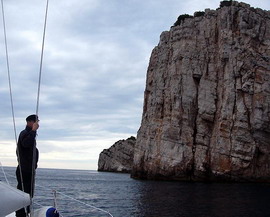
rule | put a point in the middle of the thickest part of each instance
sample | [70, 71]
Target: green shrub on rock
[182, 18]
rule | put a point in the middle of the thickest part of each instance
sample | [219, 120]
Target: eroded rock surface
[119, 157]
[206, 112]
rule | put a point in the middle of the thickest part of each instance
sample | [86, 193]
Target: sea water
[125, 197]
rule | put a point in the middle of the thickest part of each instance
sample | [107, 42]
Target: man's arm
[28, 140]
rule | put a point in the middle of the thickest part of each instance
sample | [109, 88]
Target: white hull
[12, 199]
[11, 215]
[37, 213]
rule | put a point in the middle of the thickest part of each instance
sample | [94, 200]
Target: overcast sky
[95, 63]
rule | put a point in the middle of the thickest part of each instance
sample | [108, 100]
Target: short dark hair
[32, 118]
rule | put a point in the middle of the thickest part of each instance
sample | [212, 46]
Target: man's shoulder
[23, 132]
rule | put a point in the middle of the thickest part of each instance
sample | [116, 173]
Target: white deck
[12, 199]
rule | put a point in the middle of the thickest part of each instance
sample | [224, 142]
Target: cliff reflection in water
[126, 197]
[161, 199]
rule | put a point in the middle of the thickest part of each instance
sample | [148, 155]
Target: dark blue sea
[125, 197]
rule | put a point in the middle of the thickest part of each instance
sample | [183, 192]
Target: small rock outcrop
[119, 157]
[206, 112]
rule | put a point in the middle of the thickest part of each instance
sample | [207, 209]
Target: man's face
[30, 123]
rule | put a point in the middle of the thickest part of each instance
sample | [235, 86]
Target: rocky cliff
[206, 112]
[119, 157]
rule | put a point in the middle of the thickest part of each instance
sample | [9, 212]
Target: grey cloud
[95, 62]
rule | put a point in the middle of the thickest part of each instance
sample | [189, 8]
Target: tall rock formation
[206, 112]
[119, 157]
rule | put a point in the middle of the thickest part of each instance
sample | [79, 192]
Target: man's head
[31, 119]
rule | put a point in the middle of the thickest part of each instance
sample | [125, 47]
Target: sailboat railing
[91, 208]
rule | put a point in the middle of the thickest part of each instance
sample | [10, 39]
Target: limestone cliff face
[206, 112]
[119, 157]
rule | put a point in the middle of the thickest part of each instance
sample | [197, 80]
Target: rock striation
[206, 112]
[119, 157]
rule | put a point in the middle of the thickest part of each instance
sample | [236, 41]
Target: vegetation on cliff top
[226, 3]
[185, 16]
[200, 13]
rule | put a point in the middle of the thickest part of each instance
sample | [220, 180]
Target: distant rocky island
[119, 157]
[206, 114]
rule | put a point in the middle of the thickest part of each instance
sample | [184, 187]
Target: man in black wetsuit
[27, 155]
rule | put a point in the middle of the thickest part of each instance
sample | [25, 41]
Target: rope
[88, 205]
[78, 201]
[10, 89]
[11, 96]
[38, 95]
[41, 56]
[37, 109]
[4, 173]
[8, 70]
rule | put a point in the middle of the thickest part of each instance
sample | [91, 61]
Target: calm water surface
[125, 197]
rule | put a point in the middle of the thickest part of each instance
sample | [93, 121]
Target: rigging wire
[88, 205]
[78, 201]
[67, 196]
[10, 89]
[11, 96]
[7, 174]
[4, 173]
[38, 96]
[41, 56]
[37, 109]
